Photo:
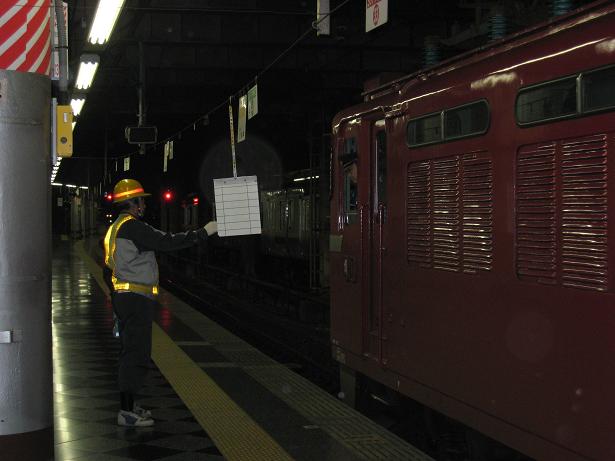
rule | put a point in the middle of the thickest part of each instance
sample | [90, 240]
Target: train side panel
[488, 266]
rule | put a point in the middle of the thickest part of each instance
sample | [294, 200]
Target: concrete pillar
[26, 384]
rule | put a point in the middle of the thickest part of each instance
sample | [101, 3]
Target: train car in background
[472, 260]
[75, 211]
[283, 251]
[287, 223]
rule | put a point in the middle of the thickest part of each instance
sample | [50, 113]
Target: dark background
[197, 54]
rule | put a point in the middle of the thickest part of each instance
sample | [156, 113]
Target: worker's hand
[211, 227]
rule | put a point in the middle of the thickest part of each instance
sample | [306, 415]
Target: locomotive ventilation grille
[561, 213]
[449, 213]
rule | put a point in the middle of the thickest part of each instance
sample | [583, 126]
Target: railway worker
[129, 253]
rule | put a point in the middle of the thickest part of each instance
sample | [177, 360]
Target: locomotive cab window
[459, 122]
[348, 160]
[466, 120]
[425, 130]
[350, 193]
[598, 89]
[381, 159]
[547, 101]
[577, 95]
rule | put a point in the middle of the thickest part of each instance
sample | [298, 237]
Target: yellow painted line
[235, 434]
[94, 268]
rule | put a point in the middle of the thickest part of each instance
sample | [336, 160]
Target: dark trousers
[135, 313]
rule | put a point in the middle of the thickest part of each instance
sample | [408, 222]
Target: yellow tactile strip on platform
[94, 268]
[235, 434]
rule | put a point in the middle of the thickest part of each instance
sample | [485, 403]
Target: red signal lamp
[168, 196]
[195, 200]
[108, 196]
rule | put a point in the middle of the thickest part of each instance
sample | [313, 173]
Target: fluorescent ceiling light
[77, 105]
[87, 70]
[306, 178]
[72, 186]
[56, 183]
[84, 187]
[107, 12]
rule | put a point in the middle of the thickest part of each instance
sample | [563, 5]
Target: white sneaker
[142, 412]
[130, 419]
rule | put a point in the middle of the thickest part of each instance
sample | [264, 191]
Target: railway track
[286, 324]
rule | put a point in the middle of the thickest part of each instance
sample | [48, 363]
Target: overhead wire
[241, 91]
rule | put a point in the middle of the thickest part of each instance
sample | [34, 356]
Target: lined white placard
[237, 206]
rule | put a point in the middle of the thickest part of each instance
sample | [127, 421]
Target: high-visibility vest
[122, 285]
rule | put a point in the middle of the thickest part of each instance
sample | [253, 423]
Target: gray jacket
[135, 243]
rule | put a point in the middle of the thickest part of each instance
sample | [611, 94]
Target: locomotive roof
[385, 95]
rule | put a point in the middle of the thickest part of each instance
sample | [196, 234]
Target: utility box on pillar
[64, 131]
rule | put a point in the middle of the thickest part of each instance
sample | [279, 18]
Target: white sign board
[237, 206]
[376, 13]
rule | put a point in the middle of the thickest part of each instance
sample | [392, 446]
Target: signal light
[168, 196]
[108, 196]
[195, 200]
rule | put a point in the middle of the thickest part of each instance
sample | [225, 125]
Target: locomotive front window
[466, 121]
[350, 193]
[548, 101]
[381, 158]
[425, 130]
[599, 90]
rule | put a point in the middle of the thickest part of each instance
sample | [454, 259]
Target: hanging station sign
[252, 101]
[241, 123]
[376, 13]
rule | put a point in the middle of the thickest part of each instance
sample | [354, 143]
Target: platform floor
[212, 395]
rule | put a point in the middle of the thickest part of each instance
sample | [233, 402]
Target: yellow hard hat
[127, 189]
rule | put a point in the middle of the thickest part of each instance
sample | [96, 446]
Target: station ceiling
[193, 55]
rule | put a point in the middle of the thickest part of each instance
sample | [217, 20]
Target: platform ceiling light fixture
[107, 12]
[77, 103]
[56, 167]
[307, 178]
[87, 70]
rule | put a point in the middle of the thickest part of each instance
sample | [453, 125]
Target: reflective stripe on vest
[110, 238]
[131, 286]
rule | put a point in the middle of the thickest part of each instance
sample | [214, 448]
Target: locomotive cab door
[347, 251]
[356, 258]
[374, 235]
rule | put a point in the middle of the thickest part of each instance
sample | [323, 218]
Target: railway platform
[213, 396]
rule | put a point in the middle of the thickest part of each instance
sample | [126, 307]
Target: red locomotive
[472, 256]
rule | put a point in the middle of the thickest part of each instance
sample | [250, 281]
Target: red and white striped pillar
[26, 384]
[25, 35]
